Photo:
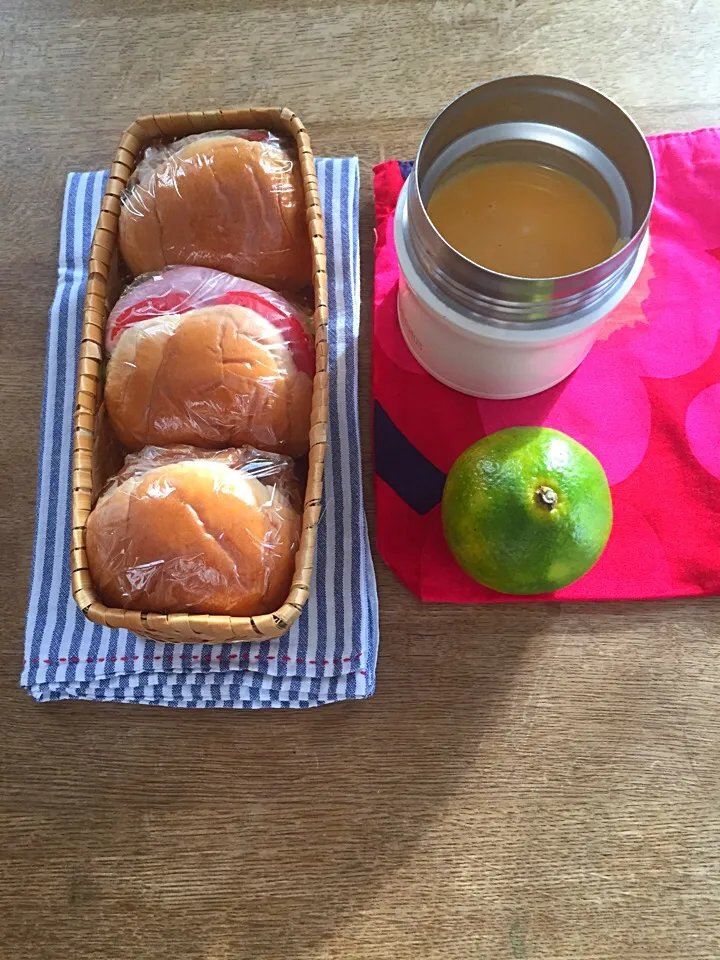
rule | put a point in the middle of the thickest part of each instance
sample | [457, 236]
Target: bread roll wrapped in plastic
[180, 289]
[229, 200]
[215, 377]
[181, 530]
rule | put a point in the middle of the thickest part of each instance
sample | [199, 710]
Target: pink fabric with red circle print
[646, 401]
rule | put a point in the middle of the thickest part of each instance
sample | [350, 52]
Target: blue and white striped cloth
[330, 653]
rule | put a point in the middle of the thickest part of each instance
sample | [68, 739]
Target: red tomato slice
[255, 135]
[298, 339]
[152, 307]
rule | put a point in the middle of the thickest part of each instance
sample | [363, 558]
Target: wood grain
[528, 782]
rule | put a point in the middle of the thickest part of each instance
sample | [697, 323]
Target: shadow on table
[262, 834]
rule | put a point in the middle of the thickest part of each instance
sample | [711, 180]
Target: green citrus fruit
[526, 510]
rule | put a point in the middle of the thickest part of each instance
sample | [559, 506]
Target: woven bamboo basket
[102, 291]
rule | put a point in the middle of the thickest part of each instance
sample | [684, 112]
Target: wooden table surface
[529, 781]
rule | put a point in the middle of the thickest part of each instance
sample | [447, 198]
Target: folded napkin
[330, 653]
[646, 401]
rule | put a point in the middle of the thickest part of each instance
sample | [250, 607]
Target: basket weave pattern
[194, 628]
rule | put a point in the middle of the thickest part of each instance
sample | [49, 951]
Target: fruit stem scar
[546, 497]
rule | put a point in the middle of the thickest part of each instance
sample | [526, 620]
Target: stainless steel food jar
[498, 336]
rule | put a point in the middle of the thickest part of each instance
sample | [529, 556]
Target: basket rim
[187, 627]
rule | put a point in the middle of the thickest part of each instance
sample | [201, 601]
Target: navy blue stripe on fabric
[31, 630]
[186, 655]
[294, 693]
[352, 476]
[403, 467]
[340, 491]
[176, 692]
[255, 685]
[93, 650]
[261, 657]
[206, 655]
[158, 695]
[112, 652]
[79, 624]
[235, 685]
[282, 647]
[140, 691]
[303, 627]
[51, 431]
[57, 575]
[197, 690]
[406, 167]
[224, 654]
[351, 254]
[148, 655]
[167, 654]
[128, 653]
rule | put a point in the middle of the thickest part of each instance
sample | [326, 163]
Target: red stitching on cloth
[195, 656]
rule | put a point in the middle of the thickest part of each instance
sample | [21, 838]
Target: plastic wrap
[215, 377]
[181, 530]
[180, 289]
[231, 200]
